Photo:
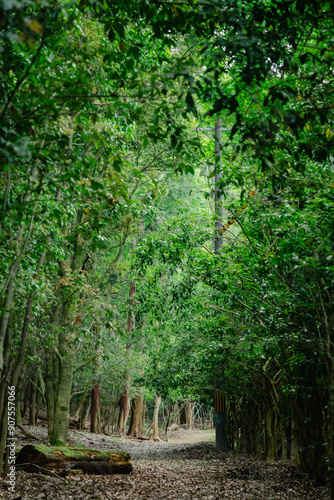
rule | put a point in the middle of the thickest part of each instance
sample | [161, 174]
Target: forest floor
[186, 467]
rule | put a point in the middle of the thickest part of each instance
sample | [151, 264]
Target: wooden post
[221, 421]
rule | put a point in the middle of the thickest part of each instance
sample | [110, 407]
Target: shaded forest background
[110, 288]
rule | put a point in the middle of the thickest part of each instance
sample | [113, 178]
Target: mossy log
[67, 460]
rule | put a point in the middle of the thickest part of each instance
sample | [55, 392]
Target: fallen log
[72, 460]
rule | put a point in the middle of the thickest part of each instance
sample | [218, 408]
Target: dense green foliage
[106, 217]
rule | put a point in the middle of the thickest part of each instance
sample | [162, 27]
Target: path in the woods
[185, 467]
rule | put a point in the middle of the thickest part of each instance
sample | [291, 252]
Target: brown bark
[8, 287]
[309, 429]
[131, 315]
[183, 417]
[124, 406]
[51, 376]
[124, 402]
[64, 460]
[155, 427]
[329, 350]
[269, 442]
[64, 352]
[170, 409]
[189, 415]
[330, 431]
[95, 411]
[3, 400]
[135, 429]
[294, 442]
[79, 407]
[32, 412]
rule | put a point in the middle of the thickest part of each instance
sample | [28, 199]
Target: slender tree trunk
[112, 412]
[124, 403]
[58, 436]
[183, 414]
[189, 415]
[4, 414]
[95, 410]
[5, 319]
[27, 320]
[135, 429]
[124, 406]
[65, 350]
[170, 409]
[80, 405]
[269, 436]
[155, 426]
[5, 327]
[20, 250]
[84, 411]
[330, 372]
[13, 374]
[51, 378]
[4, 426]
[330, 431]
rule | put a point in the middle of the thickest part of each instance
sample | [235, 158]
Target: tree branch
[21, 80]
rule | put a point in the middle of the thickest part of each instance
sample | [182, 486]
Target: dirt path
[185, 467]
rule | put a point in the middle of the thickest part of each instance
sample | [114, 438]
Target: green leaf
[111, 35]
[117, 164]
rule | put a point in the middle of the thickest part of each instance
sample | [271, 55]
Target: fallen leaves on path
[176, 471]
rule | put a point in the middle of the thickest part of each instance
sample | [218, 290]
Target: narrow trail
[186, 467]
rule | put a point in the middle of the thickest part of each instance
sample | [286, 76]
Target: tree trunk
[95, 410]
[269, 449]
[15, 370]
[124, 406]
[20, 250]
[124, 403]
[155, 426]
[218, 241]
[330, 431]
[329, 349]
[65, 460]
[189, 415]
[5, 319]
[32, 412]
[135, 429]
[51, 371]
[7, 367]
[18, 417]
[183, 415]
[170, 409]
[65, 350]
[84, 412]
[78, 410]
[309, 429]
[58, 436]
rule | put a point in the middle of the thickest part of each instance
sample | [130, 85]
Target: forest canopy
[115, 189]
